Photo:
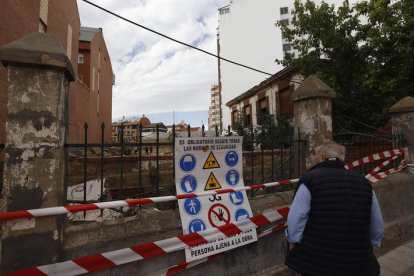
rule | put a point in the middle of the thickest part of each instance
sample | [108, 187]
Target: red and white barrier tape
[374, 157]
[128, 202]
[152, 249]
[381, 166]
[181, 267]
[132, 202]
[410, 168]
[379, 176]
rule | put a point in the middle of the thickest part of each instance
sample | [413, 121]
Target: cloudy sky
[153, 74]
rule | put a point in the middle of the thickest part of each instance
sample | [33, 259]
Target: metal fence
[359, 145]
[145, 167]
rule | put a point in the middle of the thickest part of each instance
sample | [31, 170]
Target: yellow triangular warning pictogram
[211, 162]
[212, 183]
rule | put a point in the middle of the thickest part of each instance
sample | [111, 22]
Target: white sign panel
[206, 164]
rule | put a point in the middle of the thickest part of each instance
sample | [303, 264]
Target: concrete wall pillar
[402, 120]
[39, 73]
[312, 109]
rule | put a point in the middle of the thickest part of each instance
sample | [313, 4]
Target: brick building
[271, 96]
[214, 113]
[131, 130]
[91, 101]
[61, 19]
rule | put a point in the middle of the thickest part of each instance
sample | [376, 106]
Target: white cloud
[154, 74]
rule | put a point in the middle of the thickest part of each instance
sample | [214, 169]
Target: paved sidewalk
[398, 262]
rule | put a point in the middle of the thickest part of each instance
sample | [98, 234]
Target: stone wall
[151, 225]
[265, 257]
[396, 198]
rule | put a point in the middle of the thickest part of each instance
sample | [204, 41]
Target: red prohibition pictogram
[218, 215]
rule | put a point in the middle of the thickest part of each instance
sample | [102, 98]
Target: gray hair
[330, 149]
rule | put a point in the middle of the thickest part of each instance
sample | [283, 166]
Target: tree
[364, 52]
[245, 131]
[272, 133]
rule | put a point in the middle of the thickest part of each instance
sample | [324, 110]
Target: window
[287, 47]
[263, 106]
[235, 117]
[262, 109]
[93, 78]
[42, 26]
[284, 10]
[44, 7]
[284, 22]
[80, 58]
[247, 116]
[224, 10]
[69, 42]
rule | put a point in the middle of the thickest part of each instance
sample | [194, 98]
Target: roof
[88, 33]
[144, 121]
[312, 87]
[37, 49]
[281, 75]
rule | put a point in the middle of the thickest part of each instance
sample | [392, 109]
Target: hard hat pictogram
[211, 162]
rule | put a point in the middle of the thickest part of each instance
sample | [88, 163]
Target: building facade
[61, 19]
[270, 97]
[247, 34]
[21, 17]
[91, 101]
[215, 118]
[131, 130]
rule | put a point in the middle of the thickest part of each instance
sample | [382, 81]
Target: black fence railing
[359, 145]
[142, 164]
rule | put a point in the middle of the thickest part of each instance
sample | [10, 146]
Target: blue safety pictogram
[236, 197]
[232, 177]
[196, 225]
[241, 214]
[187, 162]
[192, 206]
[232, 158]
[188, 184]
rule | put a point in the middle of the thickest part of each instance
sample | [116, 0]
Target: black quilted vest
[336, 237]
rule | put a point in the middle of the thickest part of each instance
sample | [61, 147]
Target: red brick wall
[21, 17]
[17, 18]
[84, 68]
[78, 106]
[60, 14]
[86, 103]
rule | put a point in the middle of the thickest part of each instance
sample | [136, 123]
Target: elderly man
[334, 220]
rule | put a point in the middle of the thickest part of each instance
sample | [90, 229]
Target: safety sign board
[207, 164]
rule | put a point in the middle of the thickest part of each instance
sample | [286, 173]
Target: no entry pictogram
[218, 215]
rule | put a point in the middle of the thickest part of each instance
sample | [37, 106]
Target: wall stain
[22, 198]
[39, 119]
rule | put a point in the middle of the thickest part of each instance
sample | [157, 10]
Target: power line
[180, 42]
